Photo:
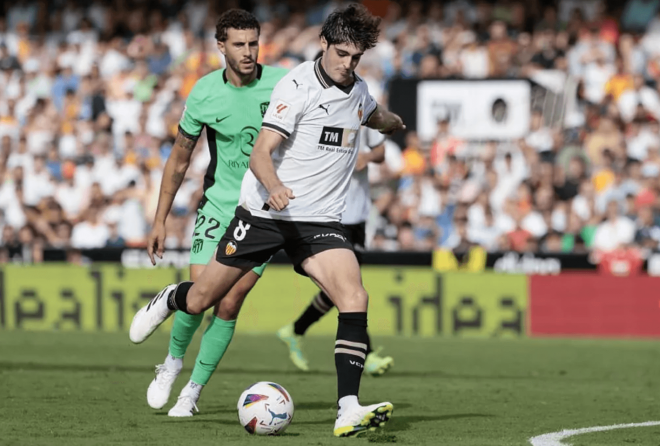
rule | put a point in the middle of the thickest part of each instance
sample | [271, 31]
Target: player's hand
[156, 242]
[393, 123]
[362, 161]
[279, 197]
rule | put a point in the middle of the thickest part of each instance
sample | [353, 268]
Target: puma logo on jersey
[297, 84]
[325, 108]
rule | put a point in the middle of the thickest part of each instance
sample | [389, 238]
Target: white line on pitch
[555, 438]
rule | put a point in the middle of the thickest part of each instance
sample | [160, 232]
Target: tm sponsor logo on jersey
[336, 139]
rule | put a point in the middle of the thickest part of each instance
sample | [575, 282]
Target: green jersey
[232, 117]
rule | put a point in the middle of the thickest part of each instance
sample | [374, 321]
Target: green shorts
[208, 232]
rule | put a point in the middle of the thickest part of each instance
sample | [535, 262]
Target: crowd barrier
[440, 296]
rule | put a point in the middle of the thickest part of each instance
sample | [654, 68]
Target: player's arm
[376, 155]
[261, 164]
[385, 121]
[173, 175]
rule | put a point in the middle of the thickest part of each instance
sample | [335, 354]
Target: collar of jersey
[260, 70]
[326, 81]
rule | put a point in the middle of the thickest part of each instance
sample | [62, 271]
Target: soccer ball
[265, 408]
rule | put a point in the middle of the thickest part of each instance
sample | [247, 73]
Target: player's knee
[195, 301]
[194, 307]
[355, 300]
[229, 309]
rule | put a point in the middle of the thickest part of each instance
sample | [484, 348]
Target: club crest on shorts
[197, 246]
[231, 248]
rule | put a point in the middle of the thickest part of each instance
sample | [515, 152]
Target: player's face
[241, 50]
[340, 60]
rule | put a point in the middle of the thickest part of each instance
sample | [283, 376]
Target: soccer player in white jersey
[293, 197]
[358, 204]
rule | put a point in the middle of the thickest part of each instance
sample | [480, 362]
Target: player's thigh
[196, 271]
[229, 307]
[212, 285]
[247, 243]
[337, 273]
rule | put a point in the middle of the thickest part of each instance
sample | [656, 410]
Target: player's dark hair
[237, 19]
[353, 24]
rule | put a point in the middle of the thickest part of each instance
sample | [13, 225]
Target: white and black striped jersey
[321, 123]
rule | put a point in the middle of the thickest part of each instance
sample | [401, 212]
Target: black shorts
[357, 235]
[251, 241]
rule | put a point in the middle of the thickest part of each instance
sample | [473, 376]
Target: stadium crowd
[91, 95]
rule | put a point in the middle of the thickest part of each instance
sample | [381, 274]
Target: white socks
[347, 403]
[173, 363]
[192, 389]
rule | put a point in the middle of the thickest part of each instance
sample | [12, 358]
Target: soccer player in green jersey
[229, 104]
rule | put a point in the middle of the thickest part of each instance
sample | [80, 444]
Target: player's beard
[237, 67]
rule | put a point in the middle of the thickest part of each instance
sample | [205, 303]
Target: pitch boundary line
[555, 438]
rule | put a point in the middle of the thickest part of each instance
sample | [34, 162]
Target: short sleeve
[370, 106]
[373, 137]
[191, 124]
[287, 104]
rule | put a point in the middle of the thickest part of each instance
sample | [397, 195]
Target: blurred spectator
[637, 14]
[615, 231]
[93, 96]
[91, 232]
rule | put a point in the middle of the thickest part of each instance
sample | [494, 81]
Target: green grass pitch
[90, 389]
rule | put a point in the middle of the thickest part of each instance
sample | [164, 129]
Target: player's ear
[221, 47]
[324, 44]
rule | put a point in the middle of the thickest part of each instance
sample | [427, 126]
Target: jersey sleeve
[191, 123]
[373, 137]
[370, 106]
[287, 105]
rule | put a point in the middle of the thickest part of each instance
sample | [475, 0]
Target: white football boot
[361, 419]
[159, 390]
[186, 404]
[149, 317]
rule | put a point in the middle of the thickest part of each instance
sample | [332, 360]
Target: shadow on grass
[45, 367]
[303, 406]
[215, 422]
[405, 422]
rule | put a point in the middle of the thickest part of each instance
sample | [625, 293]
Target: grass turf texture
[90, 389]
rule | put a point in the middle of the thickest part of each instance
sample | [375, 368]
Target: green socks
[185, 326]
[215, 341]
